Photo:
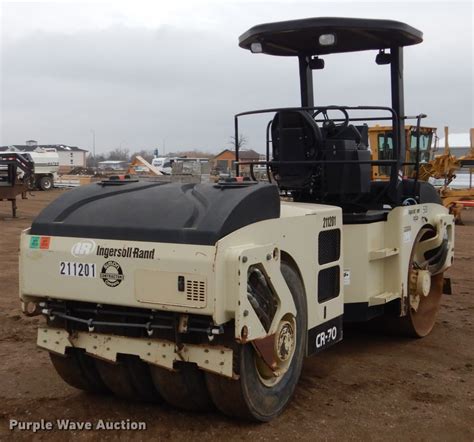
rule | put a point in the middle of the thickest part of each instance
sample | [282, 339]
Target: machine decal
[324, 335]
[415, 214]
[407, 234]
[34, 242]
[125, 252]
[347, 277]
[82, 248]
[82, 269]
[45, 242]
[111, 274]
[329, 221]
[40, 242]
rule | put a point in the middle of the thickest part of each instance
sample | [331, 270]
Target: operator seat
[359, 134]
[295, 137]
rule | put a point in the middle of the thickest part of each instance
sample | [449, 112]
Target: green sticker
[34, 242]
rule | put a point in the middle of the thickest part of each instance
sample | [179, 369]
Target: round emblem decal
[111, 273]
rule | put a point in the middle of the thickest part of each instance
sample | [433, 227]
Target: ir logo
[83, 248]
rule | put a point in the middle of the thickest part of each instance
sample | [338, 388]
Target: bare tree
[147, 155]
[195, 153]
[91, 160]
[241, 142]
[119, 154]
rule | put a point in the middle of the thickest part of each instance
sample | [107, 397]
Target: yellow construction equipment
[444, 167]
[381, 145]
[440, 167]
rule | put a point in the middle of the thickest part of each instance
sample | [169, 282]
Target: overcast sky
[143, 75]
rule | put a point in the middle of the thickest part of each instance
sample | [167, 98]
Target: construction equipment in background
[160, 162]
[180, 165]
[46, 167]
[140, 166]
[211, 295]
[175, 170]
[16, 174]
[381, 145]
[443, 169]
[191, 166]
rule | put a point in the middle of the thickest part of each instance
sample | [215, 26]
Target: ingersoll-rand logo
[83, 248]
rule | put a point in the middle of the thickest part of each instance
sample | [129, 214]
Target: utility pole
[93, 147]
[93, 142]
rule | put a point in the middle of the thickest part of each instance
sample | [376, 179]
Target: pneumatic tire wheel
[45, 183]
[78, 370]
[128, 378]
[255, 395]
[184, 388]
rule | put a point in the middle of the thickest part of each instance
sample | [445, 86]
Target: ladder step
[383, 298]
[383, 253]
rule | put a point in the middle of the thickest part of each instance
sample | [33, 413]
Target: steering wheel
[332, 129]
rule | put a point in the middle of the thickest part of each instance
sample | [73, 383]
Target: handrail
[394, 118]
[397, 162]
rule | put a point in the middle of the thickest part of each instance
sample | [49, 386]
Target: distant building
[249, 155]
[69, 156]
[224, 162]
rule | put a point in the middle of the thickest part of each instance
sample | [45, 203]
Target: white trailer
[46, 166]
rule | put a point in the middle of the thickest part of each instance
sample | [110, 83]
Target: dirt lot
[369, 387]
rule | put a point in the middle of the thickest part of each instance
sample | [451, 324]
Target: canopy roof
[301, 37]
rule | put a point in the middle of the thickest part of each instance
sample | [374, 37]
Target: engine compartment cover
[158, 212]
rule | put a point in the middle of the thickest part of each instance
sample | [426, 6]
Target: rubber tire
[129, 378]
[45, 183]
[79, 371]
[184, 388]
[247, 398]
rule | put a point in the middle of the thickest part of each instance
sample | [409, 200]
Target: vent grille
[328, 283]
[195, 291]
[329, 246]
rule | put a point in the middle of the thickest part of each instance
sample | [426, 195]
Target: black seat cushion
[295, 137]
